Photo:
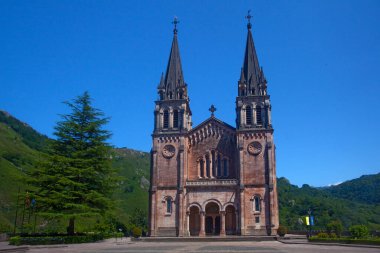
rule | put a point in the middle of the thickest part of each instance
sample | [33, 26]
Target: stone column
[202, 231]
[243, 118]
[199, 168]
[170, 118]
[242, 212]
[161, 120]
[211, 165]
[205, 166]
[180, 204]
[269, 115]
[237, 227]
[223, 223]
[187, 229]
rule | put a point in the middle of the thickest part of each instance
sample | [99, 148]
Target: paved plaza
[188, 247]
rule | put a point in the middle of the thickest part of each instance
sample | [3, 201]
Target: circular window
[168, 151]
[254, 148]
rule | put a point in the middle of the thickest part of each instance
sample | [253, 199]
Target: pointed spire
[174, 75]
[251, 67]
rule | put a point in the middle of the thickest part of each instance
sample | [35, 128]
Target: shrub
[16, 240]
[359, 231]
[137, 232]
[335, 227]
[333, 235]
[322, 235]
[282, 230]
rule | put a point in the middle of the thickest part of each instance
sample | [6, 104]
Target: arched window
[208, 166]
[175, 119]
[169, 205]
[256, 204]
[166, 119]
[225, 167]
[248, 115]
[202, 167]
[219, 161]
[258, 115]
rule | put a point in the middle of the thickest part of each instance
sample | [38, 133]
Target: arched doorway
[195, 221]
[230, 220]
[212, 221]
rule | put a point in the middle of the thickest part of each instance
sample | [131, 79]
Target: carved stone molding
[223, 182]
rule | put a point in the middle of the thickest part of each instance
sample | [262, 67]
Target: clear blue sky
[321, 59]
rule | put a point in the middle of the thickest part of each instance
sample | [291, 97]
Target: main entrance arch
[212, 219]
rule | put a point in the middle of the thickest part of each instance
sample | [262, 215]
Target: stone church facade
[213, 179]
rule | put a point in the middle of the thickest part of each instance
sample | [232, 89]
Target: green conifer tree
[77, 180]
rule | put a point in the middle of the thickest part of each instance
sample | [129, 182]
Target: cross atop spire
[248, 17]
[175, 22]
[212, 110]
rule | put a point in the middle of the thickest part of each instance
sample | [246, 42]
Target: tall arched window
[202, 167]
[219, 162]
[256, 204]
[175, 119]
[225, 167]
[166, 119]
[248, 115]
[259, 120]
[168, 205]
[208, 174]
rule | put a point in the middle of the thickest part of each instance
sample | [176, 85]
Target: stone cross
[248, 17]
[212, 110]
[175, 22]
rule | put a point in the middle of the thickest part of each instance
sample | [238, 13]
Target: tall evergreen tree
[77, 180]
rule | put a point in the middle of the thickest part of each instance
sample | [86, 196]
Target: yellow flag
[307, 220]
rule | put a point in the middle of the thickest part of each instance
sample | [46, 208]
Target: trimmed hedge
[45, 240]
[368, 241]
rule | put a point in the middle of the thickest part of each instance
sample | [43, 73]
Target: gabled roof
[213, 121]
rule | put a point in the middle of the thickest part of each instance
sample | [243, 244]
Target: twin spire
[173, 85]
[252, 80]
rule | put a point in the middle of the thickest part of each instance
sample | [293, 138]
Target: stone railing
[215, 182]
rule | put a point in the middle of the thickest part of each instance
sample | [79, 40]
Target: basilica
[214, 178]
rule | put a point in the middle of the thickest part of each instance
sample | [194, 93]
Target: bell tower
[254, 133]
[172, 121]
[253, 107]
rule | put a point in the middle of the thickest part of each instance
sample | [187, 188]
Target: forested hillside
[295, 201]
[21, 148]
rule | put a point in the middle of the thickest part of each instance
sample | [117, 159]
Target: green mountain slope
[21, 147]
[16, 158]
[295, 201]
[365, 189]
